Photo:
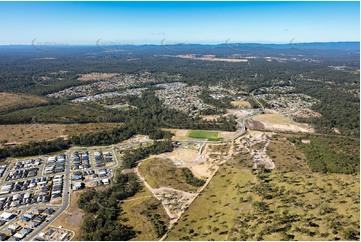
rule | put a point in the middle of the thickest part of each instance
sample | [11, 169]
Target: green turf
[202, 134]
[124, 108]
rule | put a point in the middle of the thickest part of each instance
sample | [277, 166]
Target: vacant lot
[23, 133]
[203, 134]
[272, 118]
[187, 155]
[120, 107]
[289, 203]
[286, 156]
[96, 76]
[72, 217]
[276, 122]
[212, 214]
[163, 173]
[135, 214]
[219, 149]
[10, 100]
[211, 58]
[241, 104]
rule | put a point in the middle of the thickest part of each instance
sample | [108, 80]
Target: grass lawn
[203, 134]
[124, 108]
[163, 173]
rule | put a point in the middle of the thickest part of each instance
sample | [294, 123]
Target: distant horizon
[180, 44]
[140, 23]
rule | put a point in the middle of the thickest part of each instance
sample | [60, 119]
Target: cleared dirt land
[276, 122]
[96, 76]
[187, 155]
[241, 104]
[72, 217]
[10, 100]
[272, 118]
[23, 133]
[211, 58]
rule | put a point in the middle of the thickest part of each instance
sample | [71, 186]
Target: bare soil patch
[210, 58]
[272, 118]
[181, 132]
[255, 125]
[72, 217]
[241, 104]
[137, 138]
[188, 155]
[227, 135]
[276, 122]
[96, 76]
[209, 117]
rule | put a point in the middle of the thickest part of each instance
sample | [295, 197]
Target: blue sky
[178, 22]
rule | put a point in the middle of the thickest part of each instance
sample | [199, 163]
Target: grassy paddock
[289, 203]
[163, 173]
[134, 215]
[212, 214]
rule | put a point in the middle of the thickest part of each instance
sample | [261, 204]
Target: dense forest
[191, 179]
[307, 68]
[150, 112]
[131, 157]
[147, 117]
[220, 104]
[103, 210]
[330, 154]
[339, 109]
[34, 148]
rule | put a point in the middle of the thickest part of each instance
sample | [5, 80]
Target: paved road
[66, 192]
[63, 207]
[259, 103]
[242, 124]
